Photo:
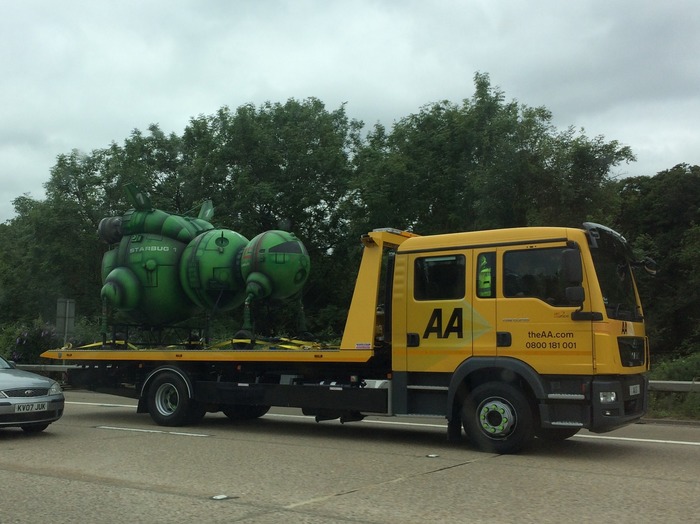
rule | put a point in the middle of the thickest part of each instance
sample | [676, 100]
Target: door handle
[503, 339]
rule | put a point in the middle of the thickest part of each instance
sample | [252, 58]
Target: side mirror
[575, 295]
[571, 264]
[650, 266]
[12, 364]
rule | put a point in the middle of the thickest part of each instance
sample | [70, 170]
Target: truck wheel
[498, 418]
[240, 412]
[197, 412]
[169, 403]
[555, 434]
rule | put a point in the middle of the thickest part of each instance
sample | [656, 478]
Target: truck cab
[510, 333]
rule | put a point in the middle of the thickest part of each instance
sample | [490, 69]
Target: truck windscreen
[611, 259]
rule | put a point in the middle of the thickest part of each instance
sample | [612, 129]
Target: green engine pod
[209, 271]
[152, 262]
[121, 289]
[282, 258]
[258, 285]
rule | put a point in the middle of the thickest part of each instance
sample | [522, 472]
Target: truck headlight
[607, 397]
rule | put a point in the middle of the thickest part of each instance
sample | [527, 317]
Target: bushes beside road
[665, 404]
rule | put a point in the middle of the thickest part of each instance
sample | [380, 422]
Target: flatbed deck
[167, 354]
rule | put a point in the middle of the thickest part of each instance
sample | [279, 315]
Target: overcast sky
[83, 74]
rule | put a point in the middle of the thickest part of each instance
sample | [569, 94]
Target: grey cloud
[83, 74]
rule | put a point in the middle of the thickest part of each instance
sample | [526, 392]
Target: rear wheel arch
[143, 396]
[168, 396]
[174, 369]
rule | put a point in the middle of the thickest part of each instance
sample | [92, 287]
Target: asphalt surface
[103, 463]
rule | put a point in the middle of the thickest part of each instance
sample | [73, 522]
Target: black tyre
[169, 403]
[555, 434]
[240, 412]
[197, 412]
[34, 428]
[498, 418]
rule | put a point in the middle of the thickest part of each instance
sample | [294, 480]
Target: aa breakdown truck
[509, 334]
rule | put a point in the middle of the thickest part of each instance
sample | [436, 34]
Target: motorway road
[103, 463]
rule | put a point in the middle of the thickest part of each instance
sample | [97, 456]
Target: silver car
[28, 400]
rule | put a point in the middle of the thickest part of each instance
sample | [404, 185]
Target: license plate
[29, 408]
[635, 390]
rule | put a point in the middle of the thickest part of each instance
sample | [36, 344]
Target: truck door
[484, 302]
[534, 321]
[438, 311]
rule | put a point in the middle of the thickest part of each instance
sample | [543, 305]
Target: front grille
[26, 392]
[631, 351]
[36, 416]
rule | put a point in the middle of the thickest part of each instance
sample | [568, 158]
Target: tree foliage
[661, 216]
[486, 162]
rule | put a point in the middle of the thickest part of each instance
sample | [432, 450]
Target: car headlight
[55, 389]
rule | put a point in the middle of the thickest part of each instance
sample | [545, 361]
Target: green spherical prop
[165, 268]
[281, 258]
[208, 270]
[142, 280]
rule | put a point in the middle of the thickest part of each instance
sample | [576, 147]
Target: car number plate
[635, 390]
[29, 408]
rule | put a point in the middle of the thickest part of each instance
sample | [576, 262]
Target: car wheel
[34, 428]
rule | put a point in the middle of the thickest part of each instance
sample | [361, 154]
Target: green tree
[483, 164]
[49, 254]
[280, 166]
[578, 185]
[22, 282]
[660, 215]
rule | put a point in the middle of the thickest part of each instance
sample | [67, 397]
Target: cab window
[486, 275]
[439, 278]
[535, 273]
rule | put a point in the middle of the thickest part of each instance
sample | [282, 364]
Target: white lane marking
[442, 426]
[417, 424]
[138, 430]
[387, 422]
[102, 404]
[630, 439]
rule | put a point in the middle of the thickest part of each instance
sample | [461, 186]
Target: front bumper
[599, 403]
[631, 401]
[10, 418]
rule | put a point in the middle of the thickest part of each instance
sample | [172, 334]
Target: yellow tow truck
[509, 334]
